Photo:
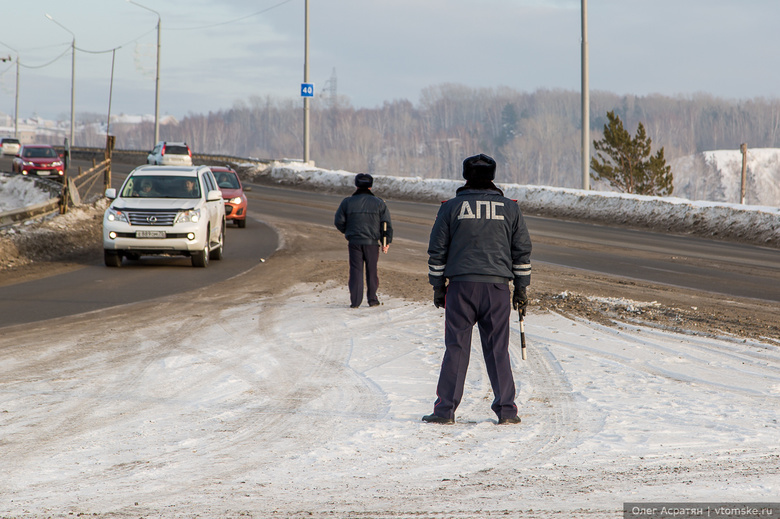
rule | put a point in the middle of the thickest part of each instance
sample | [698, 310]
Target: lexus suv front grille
[147, 217]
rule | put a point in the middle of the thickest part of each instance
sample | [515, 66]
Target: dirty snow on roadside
[295, 405]
[17, 192]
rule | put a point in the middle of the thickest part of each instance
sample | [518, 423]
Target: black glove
[519, 299]
[439, 295]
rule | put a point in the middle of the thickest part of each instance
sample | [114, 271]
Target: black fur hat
[479, 167]
[364, 180]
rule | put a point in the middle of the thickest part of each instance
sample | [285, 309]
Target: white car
[10, 146]
[170, 154]
[165, 210]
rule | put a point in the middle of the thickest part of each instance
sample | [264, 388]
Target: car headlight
[193, 215]
[56, 163]
[236, 200]
[28, 163]
[114, 215]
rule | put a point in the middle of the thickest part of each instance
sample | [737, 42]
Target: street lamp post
[16, 102]
[72, 79]
[157, 78]
[16, 106]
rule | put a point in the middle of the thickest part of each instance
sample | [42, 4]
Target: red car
[233, 193]
[39, 160]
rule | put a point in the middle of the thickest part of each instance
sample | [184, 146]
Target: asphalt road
[734, 270]
[93, 286]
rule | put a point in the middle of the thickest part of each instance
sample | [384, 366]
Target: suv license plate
[150, 234]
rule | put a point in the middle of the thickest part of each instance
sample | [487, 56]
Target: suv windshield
[38, 153]
[226, 180]
[161, 186]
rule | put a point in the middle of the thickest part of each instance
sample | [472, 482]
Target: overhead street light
[157, 79]
[72, 79]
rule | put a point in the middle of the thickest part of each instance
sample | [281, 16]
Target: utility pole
[743, 149]
[306, 129]
[585, 101]
[72, 80]
[16, 102]
[157, 77]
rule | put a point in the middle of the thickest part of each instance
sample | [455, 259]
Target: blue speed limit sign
[307, 89]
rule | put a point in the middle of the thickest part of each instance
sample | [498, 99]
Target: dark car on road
[39, 160]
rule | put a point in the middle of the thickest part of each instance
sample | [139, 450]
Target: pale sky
[217, 53]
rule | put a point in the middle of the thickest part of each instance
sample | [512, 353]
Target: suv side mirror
[214, 195]
[111, 193]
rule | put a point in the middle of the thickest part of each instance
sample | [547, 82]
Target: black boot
[432, 418]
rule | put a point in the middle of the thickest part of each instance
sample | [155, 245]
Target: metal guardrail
[36, 210]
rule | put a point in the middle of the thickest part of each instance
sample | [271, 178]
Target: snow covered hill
[717, 176]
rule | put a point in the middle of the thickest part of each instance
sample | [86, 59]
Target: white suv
[170, 154]
[165, 210]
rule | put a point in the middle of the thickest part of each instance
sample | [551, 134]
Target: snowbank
[754, 224]
[17, 192]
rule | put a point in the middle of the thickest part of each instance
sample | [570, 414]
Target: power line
[231, 21]
[65, 52]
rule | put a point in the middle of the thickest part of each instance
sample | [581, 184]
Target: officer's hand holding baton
[520, 303]
[385, 245]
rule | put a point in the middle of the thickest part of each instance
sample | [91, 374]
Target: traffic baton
[521, 313]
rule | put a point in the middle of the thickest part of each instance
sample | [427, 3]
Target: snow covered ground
[17, 192]
[264, 412]
[293, 405]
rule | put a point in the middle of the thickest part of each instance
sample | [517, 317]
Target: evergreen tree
[626, 163]
[508, 125]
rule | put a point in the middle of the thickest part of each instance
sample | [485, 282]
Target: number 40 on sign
[307, 89]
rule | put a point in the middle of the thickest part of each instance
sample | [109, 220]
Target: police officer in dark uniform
[479, 243]
[365, 222]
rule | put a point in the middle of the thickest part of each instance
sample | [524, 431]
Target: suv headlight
[114, 215]
[236, 200]
[193, 215]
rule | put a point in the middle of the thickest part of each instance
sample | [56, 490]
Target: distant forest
[535, 137]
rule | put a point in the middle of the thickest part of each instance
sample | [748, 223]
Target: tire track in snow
[560, 419]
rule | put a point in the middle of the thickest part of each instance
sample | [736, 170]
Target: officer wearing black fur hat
[479, 243]
[365, 222]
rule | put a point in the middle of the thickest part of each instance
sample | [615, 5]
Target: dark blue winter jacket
[360, 217]
[479, 235]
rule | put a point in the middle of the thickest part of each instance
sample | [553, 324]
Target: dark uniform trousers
[360, 255]
[488, 306]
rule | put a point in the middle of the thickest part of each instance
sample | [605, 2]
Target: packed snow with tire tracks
[295, 405]
[280, 401]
